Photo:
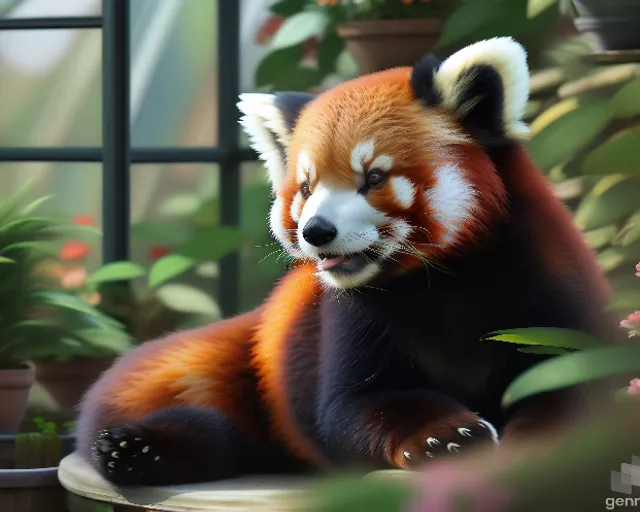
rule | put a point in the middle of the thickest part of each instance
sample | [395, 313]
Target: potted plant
[29, 468]
[38, 319]
[383, 34]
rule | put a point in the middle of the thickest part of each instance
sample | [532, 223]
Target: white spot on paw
[432, 441]
[492, 429]
[464, 432]
[453, 447]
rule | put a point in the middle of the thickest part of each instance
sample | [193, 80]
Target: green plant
[39, 318]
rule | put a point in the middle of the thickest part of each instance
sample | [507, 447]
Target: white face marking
[306, 169]
[452, 198]
[361, 154]
[296, 207]
[403, 191]
[382, 163]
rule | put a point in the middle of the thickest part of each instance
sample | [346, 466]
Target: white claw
[453, 447]
[123, 444]
[432, 441]
[429, 454]
[492, 429]
[115, 455]
[407, 455]
[156, 458]
[145, 449]
[111, 464]
[464, 432]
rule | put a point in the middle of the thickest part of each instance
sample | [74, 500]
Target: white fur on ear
[265, 125]
[509, 59]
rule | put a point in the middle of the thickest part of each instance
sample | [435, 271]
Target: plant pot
[14, 395]
[612, 25]
[30, 490]
[381, 44]
[66, 382]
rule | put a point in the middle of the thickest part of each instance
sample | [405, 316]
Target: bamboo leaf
[535, 7]
[613, 198]
[299, 28]
[186, 299]
[619, 154]
[117, 271]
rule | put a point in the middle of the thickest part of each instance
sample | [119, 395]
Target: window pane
[261, 263]
[174, 72]
[174, 207]
[46, 8]
[51, 87]
[76, 191]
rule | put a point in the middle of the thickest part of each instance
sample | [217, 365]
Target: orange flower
[72, 251]
[93, 299]
[83, 220]
[268, 29]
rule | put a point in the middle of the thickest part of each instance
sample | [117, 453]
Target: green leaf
[212, 244]
[600, 237]
[160, 233]
[300, 79]
[545, 336]
[565, 137]
[299, 28]
[287, 7]
[117, 271]
[619, 154]
[465, 20]
[329, 49]
[4, 259]
[573, 369]
[613, 198]
[535, 7]
[626, 102]
[275, 64]
[34, 205]
[625, 300]
[113, 341]
[65, 301]
[168, 267]
[186, 299]
[180, 205]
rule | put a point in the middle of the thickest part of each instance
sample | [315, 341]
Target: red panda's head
[383, 172]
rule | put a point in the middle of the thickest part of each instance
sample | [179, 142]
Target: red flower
[158, 252]
[72, 251]
[83, 220]
[268, 29]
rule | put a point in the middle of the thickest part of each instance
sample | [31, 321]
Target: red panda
[418, 224]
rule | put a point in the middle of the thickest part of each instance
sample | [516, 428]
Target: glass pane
[174, 72]
[51, 83]
[76, 190]
[46, 8]
[174, 207]
[261, 264]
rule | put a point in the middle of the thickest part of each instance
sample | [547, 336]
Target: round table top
[264, 493]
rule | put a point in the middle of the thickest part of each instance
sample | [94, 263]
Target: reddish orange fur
[298, 290]
[208, 367]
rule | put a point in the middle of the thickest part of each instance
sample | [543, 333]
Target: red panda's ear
[486, 85]
[268, 120]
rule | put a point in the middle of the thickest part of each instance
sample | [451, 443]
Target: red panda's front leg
[401, 429]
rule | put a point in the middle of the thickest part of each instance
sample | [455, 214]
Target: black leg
[175, 446]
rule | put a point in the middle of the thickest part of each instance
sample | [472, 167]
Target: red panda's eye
[375, 178]
[304, 190]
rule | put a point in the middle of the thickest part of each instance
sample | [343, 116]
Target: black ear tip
[422, 77]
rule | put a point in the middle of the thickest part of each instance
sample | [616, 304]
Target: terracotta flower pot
[611, 24]
[14, 395]
[382, 44]
[67, 381]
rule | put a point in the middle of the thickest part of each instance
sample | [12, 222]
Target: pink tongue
[328, 263]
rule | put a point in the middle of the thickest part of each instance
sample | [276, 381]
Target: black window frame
[116, 153]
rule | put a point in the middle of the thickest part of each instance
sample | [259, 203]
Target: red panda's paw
[126, 457]
[456, 433]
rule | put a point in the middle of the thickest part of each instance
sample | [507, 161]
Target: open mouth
[346, 263]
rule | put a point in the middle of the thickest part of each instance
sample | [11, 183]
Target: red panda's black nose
[319, 231]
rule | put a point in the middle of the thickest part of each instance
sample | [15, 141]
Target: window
[145, 92]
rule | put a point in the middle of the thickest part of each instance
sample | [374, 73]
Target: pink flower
[634, 388]
[632, 321]
[445, 482]
[638, 269]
